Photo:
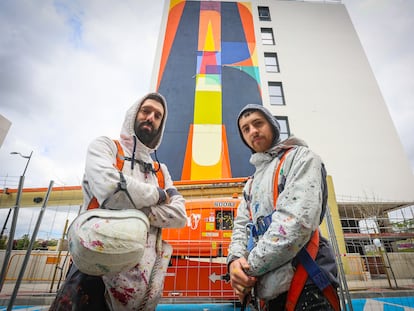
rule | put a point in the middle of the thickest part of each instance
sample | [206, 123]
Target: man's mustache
[146, 123]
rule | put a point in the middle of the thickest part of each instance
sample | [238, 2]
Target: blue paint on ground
[381, 304]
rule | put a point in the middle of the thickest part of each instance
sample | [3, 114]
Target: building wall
[4, 128]
[334, 103]
[332, 99]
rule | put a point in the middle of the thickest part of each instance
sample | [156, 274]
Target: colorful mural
[208, 71]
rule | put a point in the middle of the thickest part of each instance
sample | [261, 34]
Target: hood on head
[128, 131]
[272, 120]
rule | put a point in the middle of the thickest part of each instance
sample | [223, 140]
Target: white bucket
[105, 241]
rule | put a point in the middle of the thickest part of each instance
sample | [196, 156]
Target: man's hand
[239, 280]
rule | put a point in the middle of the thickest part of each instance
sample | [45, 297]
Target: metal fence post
[345, 297]
[12, 232]
[29, 250]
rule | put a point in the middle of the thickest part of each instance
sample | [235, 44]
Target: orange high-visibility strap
[119, 156]
[332, 295]
[159, 174]
[301, 275]
[276, 178]
[93, 203]
[157, 167]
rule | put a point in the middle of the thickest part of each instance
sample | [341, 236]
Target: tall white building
[332, 98]
[302, 60]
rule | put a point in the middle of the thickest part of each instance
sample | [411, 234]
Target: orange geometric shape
[225, 163]
[248, 27]
[186, 171]
[174, 17]
[244, 63]
[209, 37]
[193, 171]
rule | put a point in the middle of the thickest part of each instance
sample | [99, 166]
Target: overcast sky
[70, 69]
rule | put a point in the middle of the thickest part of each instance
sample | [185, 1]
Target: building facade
[4, 128]
[303, 61]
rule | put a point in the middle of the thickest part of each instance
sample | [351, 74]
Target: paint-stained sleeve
[297, 213]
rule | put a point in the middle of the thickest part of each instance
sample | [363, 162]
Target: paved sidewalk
[39, 296]
[37, 293]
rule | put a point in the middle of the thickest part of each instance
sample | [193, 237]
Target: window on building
[276, 93]
[284, 127]
[271, 62]
[264, 13]
[267, 36]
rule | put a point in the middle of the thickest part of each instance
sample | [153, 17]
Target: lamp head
[23, 156]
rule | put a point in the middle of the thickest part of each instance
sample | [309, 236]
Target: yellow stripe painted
[209, 43]
[207, 107]
[206, 172]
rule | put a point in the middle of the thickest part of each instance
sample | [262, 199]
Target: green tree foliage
[404, 226]
[3, 242]
[22, 243]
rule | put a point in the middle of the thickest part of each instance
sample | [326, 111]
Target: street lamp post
[26, 157]
[14, 221]
[24, 172]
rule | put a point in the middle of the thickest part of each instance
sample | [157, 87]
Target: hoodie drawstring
[156, 159]
[133, 152]
[145, 167]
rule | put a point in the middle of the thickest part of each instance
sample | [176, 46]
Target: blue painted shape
[401, 301]
[387, 307]
[358, 304]
[389, 304]
[28, 308]
[234, 52]
[198, 307]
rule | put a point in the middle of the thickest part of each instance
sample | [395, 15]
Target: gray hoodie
[143, 283]
[296, 215]
[272, 120]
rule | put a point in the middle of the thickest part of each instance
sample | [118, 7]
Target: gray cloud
[70, 69]
[385, 30]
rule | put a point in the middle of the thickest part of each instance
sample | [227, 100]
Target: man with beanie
[133, 187]
[275, 222]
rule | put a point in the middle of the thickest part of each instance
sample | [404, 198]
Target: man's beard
[146, 136]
